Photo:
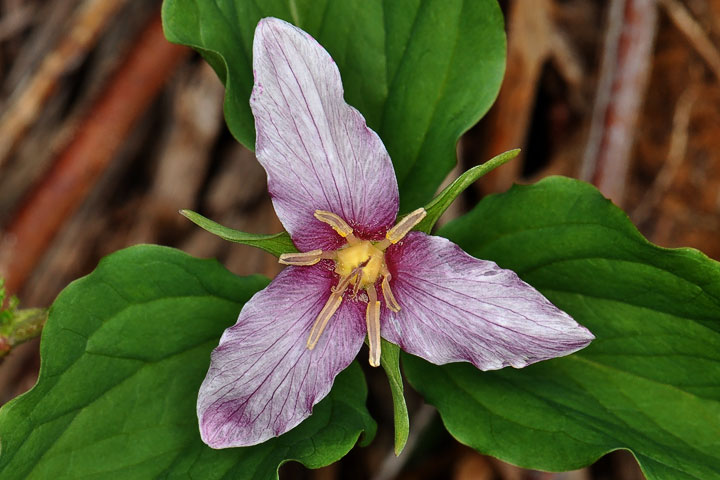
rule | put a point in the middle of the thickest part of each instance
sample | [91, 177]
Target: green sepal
[275, 244]
[444, 199]
[390, 361]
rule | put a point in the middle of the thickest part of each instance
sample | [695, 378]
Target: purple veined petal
[456, 308]
[316, 149]
[263, 380]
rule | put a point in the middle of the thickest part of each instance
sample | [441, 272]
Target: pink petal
[317, 150]
[263, 380]
[456, 308]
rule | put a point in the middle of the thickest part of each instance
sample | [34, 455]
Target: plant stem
[24, 325]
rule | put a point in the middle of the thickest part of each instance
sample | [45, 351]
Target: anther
[372, 320]
[301, 258]
[324, 316]
[396, 233]
[390, 301]
[337, 223]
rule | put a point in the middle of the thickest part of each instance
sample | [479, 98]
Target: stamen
[396, 233]
[372, 320]
[301, 258]
[390, 301]
[337, 223]
[322, 319]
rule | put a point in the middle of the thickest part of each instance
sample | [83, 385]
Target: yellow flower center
[360, 263]
[362, 254]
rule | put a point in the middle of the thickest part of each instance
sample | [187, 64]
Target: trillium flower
[358, 274]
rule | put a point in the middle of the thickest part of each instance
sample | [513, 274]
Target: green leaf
[390, 361]
[406, 65]
[444, 199]
[650, 382]
[275, 244]
[123, 355]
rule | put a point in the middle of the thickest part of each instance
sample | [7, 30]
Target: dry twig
[675, 156]
[528, 49]
[685, 22]
[627, 56]
[533, 40]
[129, 93]
[15, 21]
[185, 157]
[28, 102]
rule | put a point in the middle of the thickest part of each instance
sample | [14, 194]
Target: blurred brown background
[106, 130]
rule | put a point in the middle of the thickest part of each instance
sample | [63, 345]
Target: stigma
[364, 256]
[360, 266]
